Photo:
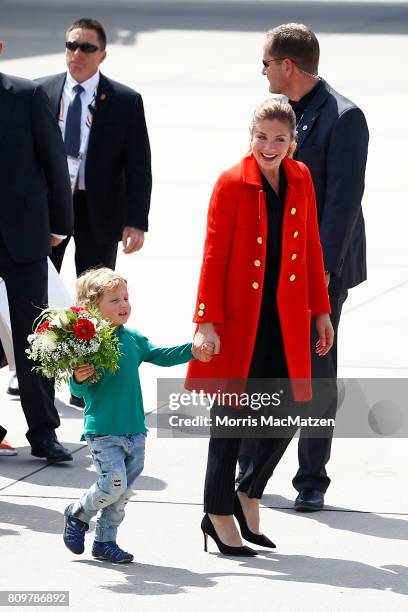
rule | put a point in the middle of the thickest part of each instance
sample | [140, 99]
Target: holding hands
[203, 353]
[206, 342]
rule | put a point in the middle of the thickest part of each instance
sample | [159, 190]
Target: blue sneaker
[74, 531]
[110, 551]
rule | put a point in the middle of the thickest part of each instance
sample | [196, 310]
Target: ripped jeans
[118, 460]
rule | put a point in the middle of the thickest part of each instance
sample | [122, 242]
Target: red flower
[78, 309]
[43, 327]
[68, 326]
[84, 329]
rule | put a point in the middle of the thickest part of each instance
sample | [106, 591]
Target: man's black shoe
[309, 500]
[77, 401]
[13, 388]
[51, 450]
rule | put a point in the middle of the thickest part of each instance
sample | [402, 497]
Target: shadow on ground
[35, 518]
[153, 580]
[366, 523]
[76, 474]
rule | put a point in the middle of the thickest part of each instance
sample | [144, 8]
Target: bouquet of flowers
[66, 338]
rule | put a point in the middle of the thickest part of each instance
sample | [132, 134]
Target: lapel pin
[304, 127]
[103, 97]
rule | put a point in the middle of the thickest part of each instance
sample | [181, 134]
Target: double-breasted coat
[232, 272]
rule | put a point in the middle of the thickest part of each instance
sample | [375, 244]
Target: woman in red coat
[262, 278]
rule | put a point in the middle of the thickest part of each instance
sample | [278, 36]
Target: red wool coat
[232, 272]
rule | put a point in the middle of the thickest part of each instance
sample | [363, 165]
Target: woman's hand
[205, 352]
[206, 342]
[83, 372]
[325, 332]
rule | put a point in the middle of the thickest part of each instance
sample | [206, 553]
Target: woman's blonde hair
[276, 108]
[91, 285]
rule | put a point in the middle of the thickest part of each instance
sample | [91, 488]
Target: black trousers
[27, 286]
[313, 452]
[88, 253]
[268, 362]
[219, 489]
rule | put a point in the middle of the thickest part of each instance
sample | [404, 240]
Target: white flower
[46, 341]
[103, 323]
[59, 319]
[64, 318]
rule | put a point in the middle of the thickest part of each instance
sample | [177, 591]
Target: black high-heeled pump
[247, 534]
[208, 529]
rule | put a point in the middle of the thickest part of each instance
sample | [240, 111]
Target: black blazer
[333, 142]
[35, 192]
[118, 170]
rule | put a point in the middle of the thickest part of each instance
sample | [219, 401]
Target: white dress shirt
[87, 98]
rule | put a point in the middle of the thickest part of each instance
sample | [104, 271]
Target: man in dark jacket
[332, 141]
[104, 130]
[35, 214]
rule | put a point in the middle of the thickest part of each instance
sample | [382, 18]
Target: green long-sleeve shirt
[114, 404]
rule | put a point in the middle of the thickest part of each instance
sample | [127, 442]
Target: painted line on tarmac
[172, 503]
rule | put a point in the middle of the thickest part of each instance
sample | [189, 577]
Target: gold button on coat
[257, 263]
[202, 306]
[200, 313]
[293, 211]
[292, 277]
[295, 234]
[255, 285]
[259, 240]
[293, 256]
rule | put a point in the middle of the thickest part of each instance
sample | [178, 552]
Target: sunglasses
[267, 62]
[85, 47]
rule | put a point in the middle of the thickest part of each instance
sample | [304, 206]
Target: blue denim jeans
[118, 460]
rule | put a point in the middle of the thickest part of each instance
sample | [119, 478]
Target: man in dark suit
[332, 141]
[104, 129]
[35, 213]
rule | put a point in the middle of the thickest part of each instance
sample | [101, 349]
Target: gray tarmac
[198, 68]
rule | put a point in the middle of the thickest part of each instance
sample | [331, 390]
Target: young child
[114, 426]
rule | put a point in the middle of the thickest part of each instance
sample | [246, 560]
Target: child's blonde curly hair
[91, 285]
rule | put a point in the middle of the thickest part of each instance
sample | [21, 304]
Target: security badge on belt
[73, 169]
